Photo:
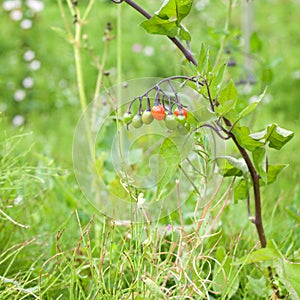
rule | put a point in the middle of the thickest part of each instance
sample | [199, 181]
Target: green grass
[69, 251]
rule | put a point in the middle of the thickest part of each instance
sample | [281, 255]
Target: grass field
[53, 243]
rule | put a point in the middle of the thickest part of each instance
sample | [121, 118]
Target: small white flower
[149, 51]
[18, 120]
[11, 4]
[35, 65]
[19, 95]
[28, 82]
[26, 24]
[29, 55]
[18, 200]
[16, 15]
[35, 5]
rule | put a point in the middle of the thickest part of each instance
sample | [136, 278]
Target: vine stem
[256, 189]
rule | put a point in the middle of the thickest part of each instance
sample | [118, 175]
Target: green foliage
[167, 20]
[274, 136]
[67, 255]
[288, 272]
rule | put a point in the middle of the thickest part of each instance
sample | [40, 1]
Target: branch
[186, 52]
[256, 189]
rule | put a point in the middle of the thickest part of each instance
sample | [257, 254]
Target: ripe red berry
[158, 112]
[181, 111]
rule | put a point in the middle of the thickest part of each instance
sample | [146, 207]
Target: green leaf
[259, 160]
[183, 8]
[266, 75]
[202, 58]
[252, 106]
[271, 252]
[153, 288]
[228, 93]
[255, 42]
[216, 82]
[241, 191]
[230, 166]
[291, 276]
[225, 279]
[167, 10]
[175, 10]
[184, 34]
[157, 25]
[278, 136]
[245, 139]
[273, 171]
[227, 99]
[62, 33]
[257, 286]
[170, 158]
[275, 135]
[259, 255]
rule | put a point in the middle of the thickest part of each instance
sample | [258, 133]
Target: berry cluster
[161, 110]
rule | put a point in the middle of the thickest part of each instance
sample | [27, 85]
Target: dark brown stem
[186, 52]
[256, 189]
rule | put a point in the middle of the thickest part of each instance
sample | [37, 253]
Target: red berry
[181, 111]
[158, 112]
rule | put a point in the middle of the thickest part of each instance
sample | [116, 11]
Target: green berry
[181, 119]
[127, 117]
[147, 117]
[171, 122]
[137, 121]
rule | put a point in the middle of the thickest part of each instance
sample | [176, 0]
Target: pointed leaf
[202, 58]
[241, 191]
[271, 252]
[259, 255]
[170, 157]
[183, 9]
[259, 160]
[175, 10]
[227, 99]
[273, 171]
[184, 34]
[257, 286]
[252, 106]
[230, 166]
[216, 82]
[278, 136]
[275, 135]
[156, 25]
[291, 276]
[228, 93]
[245, 139]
